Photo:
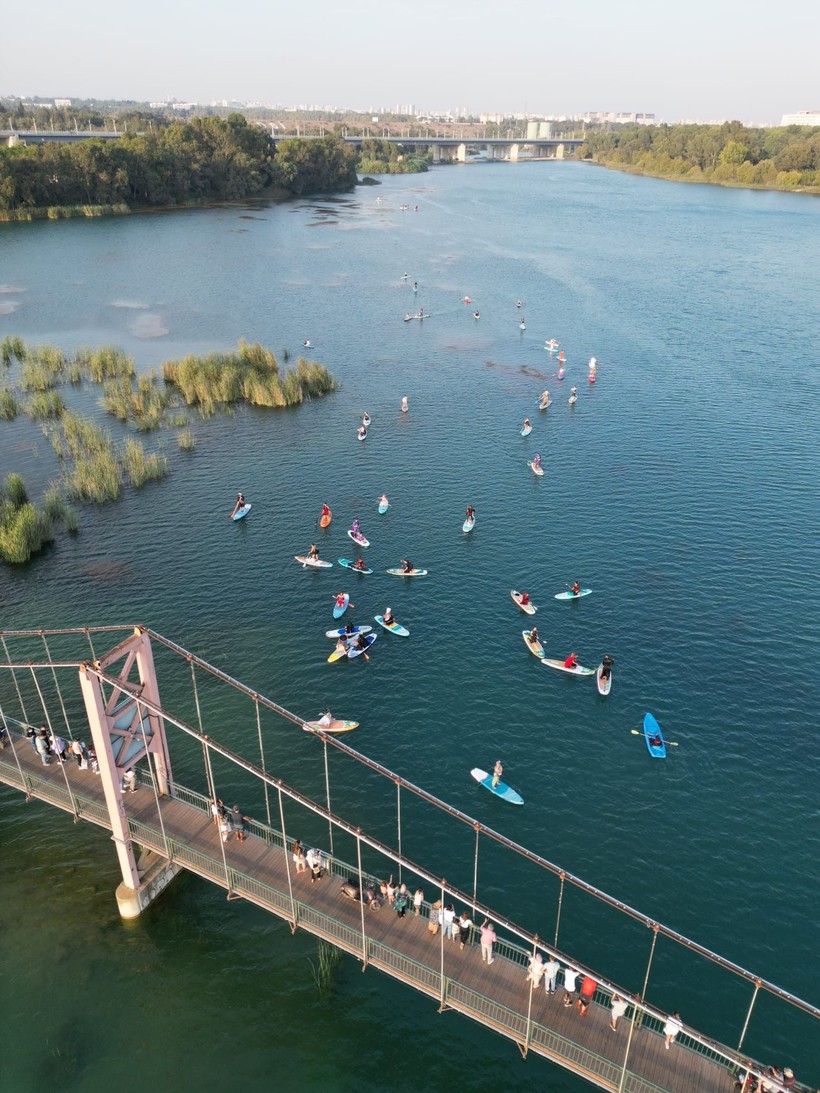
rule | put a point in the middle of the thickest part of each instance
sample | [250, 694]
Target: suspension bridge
[59, 679]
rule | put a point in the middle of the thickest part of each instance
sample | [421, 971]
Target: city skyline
[722, 61]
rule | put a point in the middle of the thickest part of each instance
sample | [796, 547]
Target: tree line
[786, 158]
[181, 164]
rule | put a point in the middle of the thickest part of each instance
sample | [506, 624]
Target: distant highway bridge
[452, 149]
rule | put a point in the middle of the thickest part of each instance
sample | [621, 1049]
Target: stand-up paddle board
[348, 563]
[530, 608]
[358, 538]
[468, 524]
[354, 652]
[394, 627]
[316, 563]
[502, 790]
[341, 604]
[536, 468]
[337, 654]
[335, 726]
[240, 514]
[343, 632]
[535, 647]
[604, 685]
[526, 430]
[559, 665]
[324, 521]
[573, 595]
[397, 571]
[383, 507]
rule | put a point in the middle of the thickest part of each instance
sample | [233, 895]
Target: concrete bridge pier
[461, 153]
[436, 150]
[123, 733]
[514, 150]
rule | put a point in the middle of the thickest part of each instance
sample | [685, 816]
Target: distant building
[612, 118]
[802, 117]
[62, 102]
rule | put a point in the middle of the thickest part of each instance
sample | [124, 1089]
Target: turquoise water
[682, 489]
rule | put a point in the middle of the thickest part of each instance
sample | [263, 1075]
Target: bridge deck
[497, 996]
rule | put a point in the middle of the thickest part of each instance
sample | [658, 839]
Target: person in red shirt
[571, 660]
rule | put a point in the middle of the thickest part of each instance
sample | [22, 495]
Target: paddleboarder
[534, 635]
[525, 599]
[470, 512]
[406, 565]
[498, 770]
[326, 719]
[359, 563]
[313, 553]
[526, 424]
[571, 661]
[387, 617]
[575, 588]
[240, 504]
[537, 461]
[404, 404]
[325, 509]
[606, 666]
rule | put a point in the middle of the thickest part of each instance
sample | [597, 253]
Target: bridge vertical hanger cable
[398, 821]
[443, 987]
[528, 1029]
[75, 810]
[262, 756]
[327, 794]
[558, 914]
[637, 1013]
[475, 868]
[287, 858]
[57, 685]
[143, 713]
[16, 685]
[90, 643]
[14, 753]
[748, 1015]
[361, 894]
[209, 772]
[214, 798]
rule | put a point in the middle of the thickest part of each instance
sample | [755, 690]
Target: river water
[682, 488]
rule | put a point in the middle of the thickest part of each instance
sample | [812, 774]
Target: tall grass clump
[96, 476]
[58, 511]
[12, 348]
[143, 404]
[9, 407]
[23, 530]
[105, 363]
[250, 375]
[43, 368]
[45, 404]
[329, 959]
[186, 440]
[142, 466]
[14, 490]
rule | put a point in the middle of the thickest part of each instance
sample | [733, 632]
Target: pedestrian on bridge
[488, 939]
[551, 970]
[58, 745]
[41, 746]
[418, 899]
[536, 972]
[570, 983]
[298, 857]
[465, 924]
[671, 1029]
[238, 823]
[619, 1008]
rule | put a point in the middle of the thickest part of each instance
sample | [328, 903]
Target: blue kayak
[502, 790]
[348, 563]
[654, 737]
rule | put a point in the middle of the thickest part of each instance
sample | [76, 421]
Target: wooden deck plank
[679, 1070]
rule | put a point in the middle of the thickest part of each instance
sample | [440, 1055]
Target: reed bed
[43, 368]
[142, 466]
[186, 440]
[45, 404]
[96, 476]
[105, 363]
[23, 529]
[143, 404]
[250, 375]
[9, 406]
[12, 348]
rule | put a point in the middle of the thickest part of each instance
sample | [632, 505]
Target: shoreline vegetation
[95, 466]
[175, 166]
[785, 159]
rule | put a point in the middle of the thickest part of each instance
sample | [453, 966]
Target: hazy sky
[704, 60]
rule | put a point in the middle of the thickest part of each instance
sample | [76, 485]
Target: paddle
[669, 743]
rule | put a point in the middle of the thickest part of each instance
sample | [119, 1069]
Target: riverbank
[703, 178]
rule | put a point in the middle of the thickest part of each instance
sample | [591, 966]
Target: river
[682, 488]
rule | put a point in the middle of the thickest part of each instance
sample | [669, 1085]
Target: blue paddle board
[502, 790]
[240, 514]
[340, 608]
[349, 563]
